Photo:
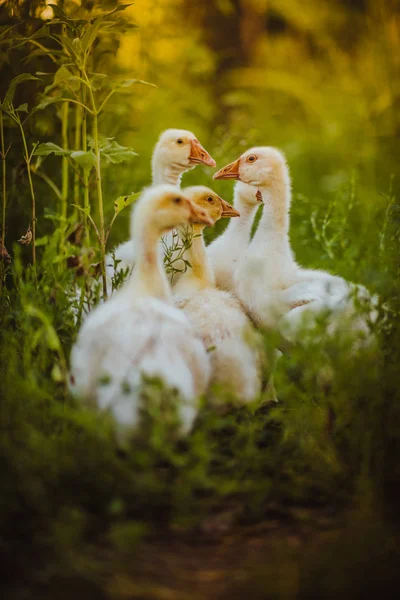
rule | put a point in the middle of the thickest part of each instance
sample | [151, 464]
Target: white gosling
[225, 252]
[217, 315]
[139, 332]
[176, 152]
[276, 291]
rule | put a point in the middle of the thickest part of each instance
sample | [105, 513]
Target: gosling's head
[164, 207]
[209, 202]
[261, 167]
[180, 148]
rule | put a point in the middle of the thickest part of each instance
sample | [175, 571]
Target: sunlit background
[320, 80]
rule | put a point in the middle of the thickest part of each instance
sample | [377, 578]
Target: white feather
[276, 291]
[225, 252]
[139, 333]
[218, 318]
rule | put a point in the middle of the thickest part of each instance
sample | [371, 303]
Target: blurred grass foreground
[299, 500]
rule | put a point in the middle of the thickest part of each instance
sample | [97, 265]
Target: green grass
[77, 511]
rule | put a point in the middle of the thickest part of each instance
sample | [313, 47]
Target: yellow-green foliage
[319, 80]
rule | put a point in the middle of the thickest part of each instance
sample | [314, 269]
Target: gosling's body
[229, 337]
[138, 332]
[276, 291]
[218, 318]
[145, 339]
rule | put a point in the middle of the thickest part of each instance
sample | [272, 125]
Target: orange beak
[228, 210]
[198, 216]
[231, 171]
[199, 156]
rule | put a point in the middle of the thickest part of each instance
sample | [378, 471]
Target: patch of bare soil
[219, 561]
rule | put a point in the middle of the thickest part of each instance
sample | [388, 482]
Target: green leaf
[61, 17]
[125, 83]
[52, 338]
[118, 8]
[36, 338]
[7, 30]
[69, 49]
[85, 211]
[22, 108]
[9, 97]
[64, 75]
[50, 148]
[46, 101]
[68, 45]
[39, 34]
[128, 26]
[40, 52]
[123, 201]
[77, 46]
[42, 241]
[97, 81]
[86, 160]
[93, 29]
[58, 12]
[56, 374]
[114, 153]
[90, 36]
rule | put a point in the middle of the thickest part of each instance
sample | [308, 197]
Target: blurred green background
[298, 503]
[318, 79]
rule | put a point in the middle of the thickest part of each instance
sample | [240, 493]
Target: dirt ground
[219, 561]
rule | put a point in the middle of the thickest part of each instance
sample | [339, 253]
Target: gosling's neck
[148, 278]
[167, 172]
[239, 229]
[274, 223]
[201, 274]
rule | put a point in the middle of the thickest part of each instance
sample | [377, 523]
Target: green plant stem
[65, 173]
[106, 99]
[27, 158]
[100, 204]
[81, 303]
[110, 226]
[4, 195]
[4, 183]
[77, 146]
[96, 147]
[91, 221]
[85, 174]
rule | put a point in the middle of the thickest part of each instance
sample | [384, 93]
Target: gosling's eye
[210, 199]
[179, 141]
[252, 158]
[177, 200]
